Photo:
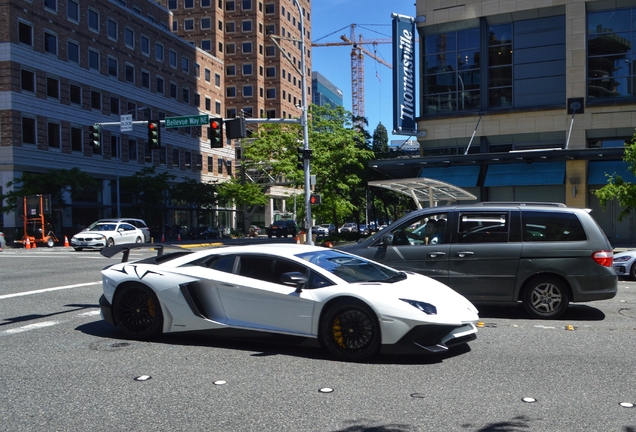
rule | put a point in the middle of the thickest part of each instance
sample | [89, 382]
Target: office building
[324, 92]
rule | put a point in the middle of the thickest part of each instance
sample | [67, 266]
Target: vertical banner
[404, 75]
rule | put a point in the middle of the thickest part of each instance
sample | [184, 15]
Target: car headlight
[622, 259]
[427, 308]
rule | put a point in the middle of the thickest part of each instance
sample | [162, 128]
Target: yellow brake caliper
[336, 330]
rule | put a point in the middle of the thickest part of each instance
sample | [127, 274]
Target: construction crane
[357, 64]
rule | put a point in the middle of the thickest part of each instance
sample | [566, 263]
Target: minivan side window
[429, 229]
[552, 227]
[483, 227]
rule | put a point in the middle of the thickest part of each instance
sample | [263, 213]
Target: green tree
[617, 188]
[198, 196]
[55, 182]
[380, 141]
[246, 195]
[148, 192]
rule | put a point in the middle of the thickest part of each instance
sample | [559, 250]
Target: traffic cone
[27, 245]
[66, 242]
[33, 245]
[163, 238]
[178, 237]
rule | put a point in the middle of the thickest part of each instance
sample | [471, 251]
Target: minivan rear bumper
[604, 287]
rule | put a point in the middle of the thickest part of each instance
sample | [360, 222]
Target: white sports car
[353, 306]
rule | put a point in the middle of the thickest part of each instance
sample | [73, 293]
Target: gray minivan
[545, 255]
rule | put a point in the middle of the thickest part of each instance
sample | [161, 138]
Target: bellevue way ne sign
[175, 122]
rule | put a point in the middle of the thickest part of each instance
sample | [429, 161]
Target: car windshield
[352, 268]
[104, 227]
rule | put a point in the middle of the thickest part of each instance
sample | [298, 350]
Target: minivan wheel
[546, 297]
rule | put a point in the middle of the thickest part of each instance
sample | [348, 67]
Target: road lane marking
[31, 327]
[6, 296]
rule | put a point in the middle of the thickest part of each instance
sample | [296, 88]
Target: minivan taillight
[603, 257]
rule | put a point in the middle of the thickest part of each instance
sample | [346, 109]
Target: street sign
[187, 121]
[125, 123]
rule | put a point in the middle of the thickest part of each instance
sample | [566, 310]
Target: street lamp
[303, 78]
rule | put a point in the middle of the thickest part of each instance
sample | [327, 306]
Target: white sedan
[105, 234]
[353, 306]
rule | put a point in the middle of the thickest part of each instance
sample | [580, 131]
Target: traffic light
[235, 128]
[315, 199]
[154, 134]
[216, 133]
[302, 155]
[96, 133]
[301, 159]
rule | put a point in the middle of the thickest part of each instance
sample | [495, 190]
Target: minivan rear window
[551, 227]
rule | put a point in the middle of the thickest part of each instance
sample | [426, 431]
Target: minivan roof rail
[521, 204]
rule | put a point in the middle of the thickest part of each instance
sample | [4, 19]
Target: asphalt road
[64, 369]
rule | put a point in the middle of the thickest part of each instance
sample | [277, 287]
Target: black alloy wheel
[349, 330]
[137, 312]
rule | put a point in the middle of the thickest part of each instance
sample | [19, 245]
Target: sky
[332, 18]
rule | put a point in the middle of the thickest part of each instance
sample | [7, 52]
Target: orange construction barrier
[27, 244]
[66, 244]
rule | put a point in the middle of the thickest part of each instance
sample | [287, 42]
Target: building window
[248, 91]
[172, 4]
[160, 85]
[27, 80]
[112, 66]
[188, 4]
[206, 23]
[51, 4]
[175, 158]
[72, 10]
[246, 26]
[246, 4]
[217, 79]
[53, 87]
[75, 94]
[230, 91]
[206, 74]
[270, 8]
[93, 20]
[206, 3]
[270, 51]
[96, 100]
[230, 27]
[188, 24]
[185, 65]
[247, 69]
[271, 113]
[208, 104]
[132, 150]
[159, 52]
[499, 66]
[230, 48]
[93, 59]
[270, 29]
[28, 130]
[72, 52]
[270, 72]
[270, 93]
[230, 70]
[129, 37]
[173, 90]
[206, 45]
[247, 47]
[197, 100]
[610, 60]
[53, 135]
[172, 58]
[130, 74]
[76, 139]
[145, 45]
[217, 107]
[114, 105]
[111, 29]
[219, 165]
[50, 43]
[25, 33]
[185, 93]
[145, 80]
[229, 5]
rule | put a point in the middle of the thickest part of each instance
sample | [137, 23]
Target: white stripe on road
[31, 327]
[6, 296]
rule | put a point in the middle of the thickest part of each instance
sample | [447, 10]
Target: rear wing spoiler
[111, 251]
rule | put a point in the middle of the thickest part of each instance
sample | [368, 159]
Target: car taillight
[603, 258]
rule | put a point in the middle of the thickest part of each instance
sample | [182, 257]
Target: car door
[484, 255]
[127, 233]
[257, 299]
[408, 247]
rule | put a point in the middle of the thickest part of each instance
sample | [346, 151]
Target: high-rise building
[68, 64]
[260, 80]
[324, 92]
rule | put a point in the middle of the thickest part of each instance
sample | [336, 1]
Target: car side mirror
[296, 279]
[386, 240]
